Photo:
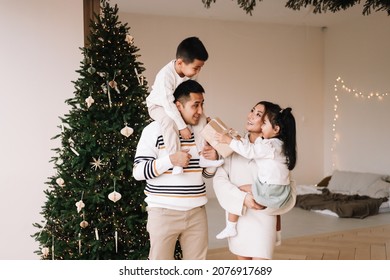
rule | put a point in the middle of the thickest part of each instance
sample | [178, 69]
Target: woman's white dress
[256, 229]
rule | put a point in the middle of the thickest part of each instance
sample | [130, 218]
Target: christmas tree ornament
[79, 243]
[96, 234]
[45, 251]
[116, 241]
[96, 163]
[60, 182]
[129, 39]
[89, 101]
[109, 94]
[114, 196]
[80, 205]
[91, 70]
[84, 224]
[71, 144]
[112, 84]
[127, 131]
[52, 248]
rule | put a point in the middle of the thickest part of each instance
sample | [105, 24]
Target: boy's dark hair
[287, 129]
[190, 49]
[182, 92]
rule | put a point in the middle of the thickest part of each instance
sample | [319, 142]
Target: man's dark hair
[182, 92]
[190, 49]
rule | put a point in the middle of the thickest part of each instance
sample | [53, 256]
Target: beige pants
[165, 226]
[170, 131]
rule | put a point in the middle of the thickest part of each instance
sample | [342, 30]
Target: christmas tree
[94, 208]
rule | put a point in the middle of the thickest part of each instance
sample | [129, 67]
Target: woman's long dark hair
[287, 129]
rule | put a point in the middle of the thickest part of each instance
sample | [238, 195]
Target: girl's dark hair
[287, 129]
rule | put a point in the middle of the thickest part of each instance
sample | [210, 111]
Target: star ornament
[97, 163]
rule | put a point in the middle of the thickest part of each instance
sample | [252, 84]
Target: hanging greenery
[319, 6]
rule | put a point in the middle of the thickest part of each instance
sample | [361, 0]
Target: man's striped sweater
[152, 163]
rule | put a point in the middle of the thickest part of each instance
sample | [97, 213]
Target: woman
[256, 229]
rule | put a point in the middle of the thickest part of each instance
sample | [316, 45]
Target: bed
[347, 194]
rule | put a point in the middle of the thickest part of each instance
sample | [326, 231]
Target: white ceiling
[273, 11]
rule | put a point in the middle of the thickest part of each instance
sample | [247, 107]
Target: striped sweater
[152, 163]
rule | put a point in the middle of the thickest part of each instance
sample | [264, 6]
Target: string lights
[341, 88]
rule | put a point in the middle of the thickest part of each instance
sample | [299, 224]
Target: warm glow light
[370, 96]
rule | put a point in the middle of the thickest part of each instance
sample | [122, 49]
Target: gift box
[209, 131]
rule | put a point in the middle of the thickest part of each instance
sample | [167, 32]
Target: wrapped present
[208, 133]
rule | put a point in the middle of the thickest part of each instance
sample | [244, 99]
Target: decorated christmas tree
[94, 208]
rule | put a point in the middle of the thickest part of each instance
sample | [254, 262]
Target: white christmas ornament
[127, 131]
[45, 251]
[60, 182]
[89, 101]
[80, 205]
[114, 196]
[129, 39]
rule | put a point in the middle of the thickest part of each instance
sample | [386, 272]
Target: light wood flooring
[371, 243]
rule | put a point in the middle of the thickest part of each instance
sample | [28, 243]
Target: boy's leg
[169, 131]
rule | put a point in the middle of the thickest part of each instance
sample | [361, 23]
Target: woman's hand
[249, 202]
[246, 188]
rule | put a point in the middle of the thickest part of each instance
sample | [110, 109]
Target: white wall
[358, 52]
[248, 63]
[39, 53]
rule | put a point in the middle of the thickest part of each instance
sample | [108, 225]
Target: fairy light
[341, 88]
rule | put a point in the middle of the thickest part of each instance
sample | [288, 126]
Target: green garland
[319, 6]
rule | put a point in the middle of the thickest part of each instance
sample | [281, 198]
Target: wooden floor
[358, 244]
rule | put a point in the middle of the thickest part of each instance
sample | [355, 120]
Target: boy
[191, 55]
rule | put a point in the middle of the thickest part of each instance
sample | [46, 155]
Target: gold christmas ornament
[113, 84]
[60, 182]
[127, 131]
[114, 196]
[84, 224]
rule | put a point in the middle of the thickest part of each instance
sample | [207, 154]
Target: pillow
[378, 189]
[324, 182]
[349, 182]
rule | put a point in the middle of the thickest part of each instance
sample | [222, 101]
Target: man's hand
[181, 158]
[209, 152]
[185, 133]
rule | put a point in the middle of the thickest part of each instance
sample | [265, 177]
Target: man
[176, 202]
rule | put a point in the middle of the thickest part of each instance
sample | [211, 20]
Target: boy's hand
[180, 158]
[185, 133]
